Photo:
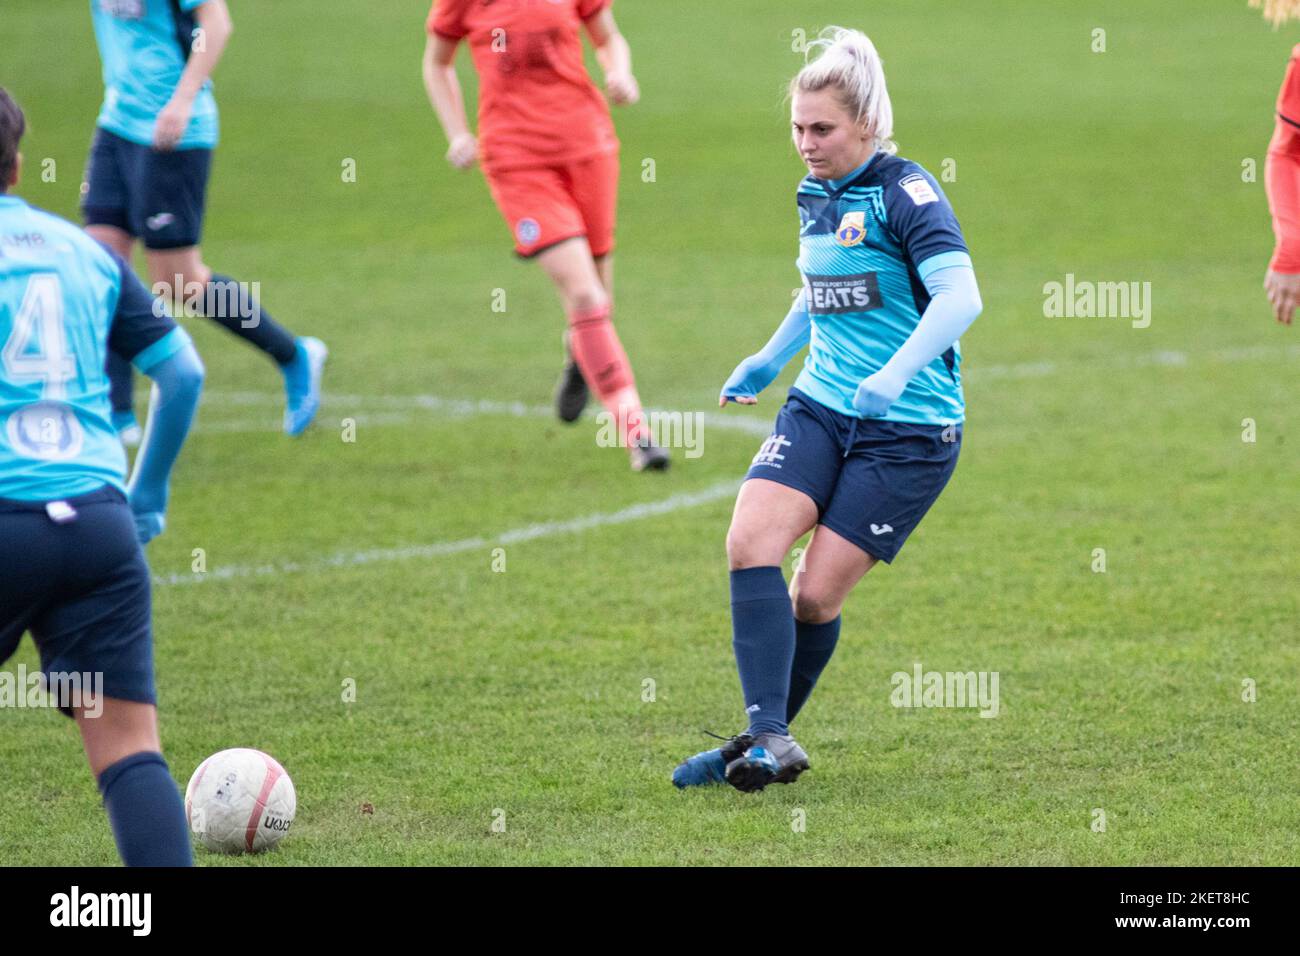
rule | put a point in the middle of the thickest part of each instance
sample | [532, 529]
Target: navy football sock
[120, 383]
[145, 811]
[762, 625]
[813, 646]
[236, 310]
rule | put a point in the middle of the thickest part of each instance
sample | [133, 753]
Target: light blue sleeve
[178, 380]
[954, 305]
[163, 349]
[758, 371]
[790, 336]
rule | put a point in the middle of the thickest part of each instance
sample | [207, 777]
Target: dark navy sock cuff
[817, 634]
[112, 773]
[757, 584]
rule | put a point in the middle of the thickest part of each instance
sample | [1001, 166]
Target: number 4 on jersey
[37, 348]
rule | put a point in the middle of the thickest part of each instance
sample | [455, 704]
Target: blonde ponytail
[847, 61]
[1277, 12]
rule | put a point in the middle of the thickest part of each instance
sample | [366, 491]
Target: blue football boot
[302, 384]
[770, 758]
[710, 766]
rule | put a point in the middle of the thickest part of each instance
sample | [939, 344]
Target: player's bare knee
[748, 549]
[814, 605]
[585, 298]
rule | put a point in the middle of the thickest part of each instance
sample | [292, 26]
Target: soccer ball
[240, 801]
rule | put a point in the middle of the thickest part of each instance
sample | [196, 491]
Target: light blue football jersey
[865, 249]
[144, 45]
[64, 302]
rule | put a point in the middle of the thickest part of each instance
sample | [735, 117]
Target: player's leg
[142, 801]
[571, 391]
[173, 189]
[116, 731]
[893, 474]
[105, 210]
[767, 520]
[597, 348]
[827, 571]
[94, 627]
[605, 269]
[592, 184]
[803, 457]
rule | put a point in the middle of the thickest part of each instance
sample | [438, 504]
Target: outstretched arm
[215, 27]
[954, 305]
[443, 87]
[615, 58]
[759, 370]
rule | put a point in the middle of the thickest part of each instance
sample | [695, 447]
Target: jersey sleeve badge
[919, 188]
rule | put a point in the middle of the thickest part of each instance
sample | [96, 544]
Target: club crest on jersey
[853, 229]
[528, 231]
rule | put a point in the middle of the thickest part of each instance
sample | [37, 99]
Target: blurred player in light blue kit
[147, 179]
[71, 568]
[870, 433]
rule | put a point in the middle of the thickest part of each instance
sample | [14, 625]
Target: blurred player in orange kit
[548, 150]
[1282, 177]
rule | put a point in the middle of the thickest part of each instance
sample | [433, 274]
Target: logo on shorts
[770, 453]
[528, 231]
[853, 228]
[160, 221]
[881, 528]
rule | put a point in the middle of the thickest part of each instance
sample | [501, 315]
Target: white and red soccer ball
[240, 801]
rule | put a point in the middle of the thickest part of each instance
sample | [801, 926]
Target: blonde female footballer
[870, 432]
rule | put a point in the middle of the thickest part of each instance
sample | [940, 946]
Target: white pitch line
[411, 409]
[350, 559]
[397, 409]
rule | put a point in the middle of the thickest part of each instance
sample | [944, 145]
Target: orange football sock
[603, 362]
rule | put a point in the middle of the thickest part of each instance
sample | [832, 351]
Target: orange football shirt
[1282, 172]
[537, 104]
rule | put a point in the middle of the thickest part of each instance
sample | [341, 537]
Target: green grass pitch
[501, 717]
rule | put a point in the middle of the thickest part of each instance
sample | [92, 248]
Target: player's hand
[148, 525]
[149, 507]
[1283, 294]
[876, 393]
[463, 151]
[750, 377]
[172, 122]
[622, 89]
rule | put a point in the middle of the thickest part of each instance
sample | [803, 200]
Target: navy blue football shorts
[153, 195]
[872, 480]
[81, 586]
